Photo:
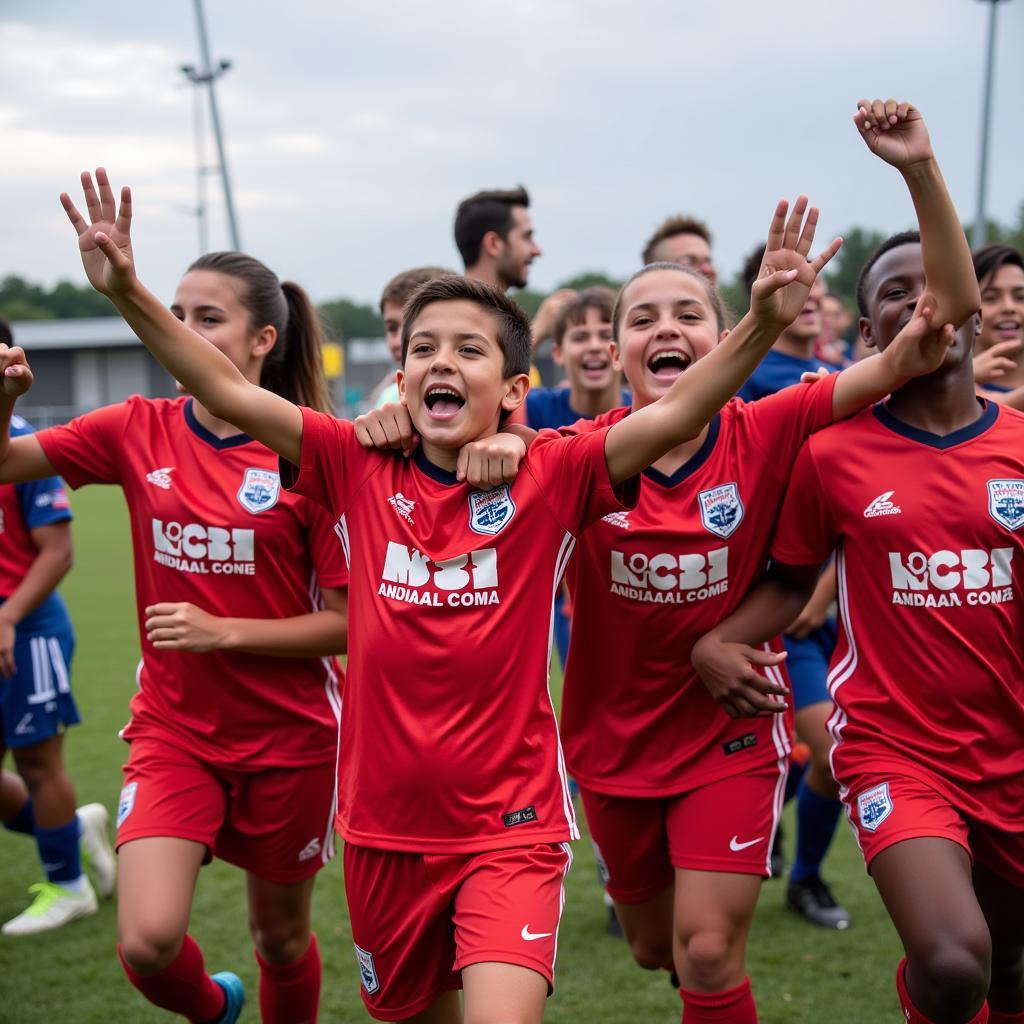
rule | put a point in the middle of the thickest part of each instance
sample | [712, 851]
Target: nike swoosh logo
[735, 845]
[529, 936]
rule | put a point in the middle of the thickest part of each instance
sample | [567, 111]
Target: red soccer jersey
[449, 736]
[928, 675]
[647, 584]
[211, 525]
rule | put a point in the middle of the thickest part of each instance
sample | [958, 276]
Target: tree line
[22, 300]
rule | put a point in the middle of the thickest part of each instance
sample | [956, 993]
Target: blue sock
[794, 778]
[24, 821]
[59, 852]
[816, 819]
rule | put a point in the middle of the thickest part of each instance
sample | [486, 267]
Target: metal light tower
[980, 233]
[206, 75]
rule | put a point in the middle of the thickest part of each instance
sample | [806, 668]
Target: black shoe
[778, 858]
[614, 928]
[813, 900]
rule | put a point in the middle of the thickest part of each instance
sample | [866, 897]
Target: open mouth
[442, 402]
[595, 366]
[667, 364]
[1008, 330]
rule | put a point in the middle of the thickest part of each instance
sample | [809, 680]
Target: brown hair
[714, 297]
[993, 257]
[294, 367]
[669, 228]
[514, 334]
[483, 212]
[401, 286]
[575, 311]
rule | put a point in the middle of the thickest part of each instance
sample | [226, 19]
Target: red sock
[182, 987]
[735, 1006]
[914, 1015]
[290, 993]
[1001, 1017]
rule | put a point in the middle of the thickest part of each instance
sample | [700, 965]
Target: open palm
[786, 275]
[105, 239]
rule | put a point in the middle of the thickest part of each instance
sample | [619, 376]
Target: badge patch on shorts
[874, 806]
[721, 509]
[126, 804]
[367, 972]
[260, 490]
[1006, 502]
[491, 511]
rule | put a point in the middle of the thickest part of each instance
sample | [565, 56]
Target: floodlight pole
[980, 233]
[207, 76]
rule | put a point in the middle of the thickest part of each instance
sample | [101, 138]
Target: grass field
[800, 974]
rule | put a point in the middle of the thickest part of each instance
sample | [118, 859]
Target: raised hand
[105, 240]
[15, 375]
[786, 275]
[995, 362]
[894, 131]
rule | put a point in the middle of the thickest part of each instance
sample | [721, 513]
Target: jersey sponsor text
[950, 579]
[194, 548]
[669, 578]
[463, 581]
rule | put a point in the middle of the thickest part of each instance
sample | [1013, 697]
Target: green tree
[590, 278]
[841, 278]
[346, 319]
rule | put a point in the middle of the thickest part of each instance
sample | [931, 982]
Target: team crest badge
[1006, 502]
[367, 972]
[874, 806]
[491, 511]
[721, 509]
[126, 804]
[260, 490]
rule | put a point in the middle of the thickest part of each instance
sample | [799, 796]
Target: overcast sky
[354, 129]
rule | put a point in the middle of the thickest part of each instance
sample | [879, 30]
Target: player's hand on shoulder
[786, 274]
[894, 131]
[105, 239]
[15, 371]
[180, 626]
[995, 362]
[728, 672]
[389, 428]
[491, 461]
[813, 376]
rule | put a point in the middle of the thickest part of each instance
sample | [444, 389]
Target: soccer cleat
[234, 996]
[97, 854]
[614, 926]
[813, 900]
[52, 907]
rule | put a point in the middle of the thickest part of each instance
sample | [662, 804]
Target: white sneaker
[52, 907]
[98, 853]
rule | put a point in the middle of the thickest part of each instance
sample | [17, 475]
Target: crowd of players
[703, 541]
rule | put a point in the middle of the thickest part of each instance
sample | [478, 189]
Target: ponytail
[294, 367]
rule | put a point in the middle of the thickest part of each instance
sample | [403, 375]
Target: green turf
[800, 974]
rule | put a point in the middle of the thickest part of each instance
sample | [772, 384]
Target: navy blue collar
[688, 468]
[234, 441]
[990, 410]
[442, 476]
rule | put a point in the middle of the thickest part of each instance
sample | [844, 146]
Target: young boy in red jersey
[453, 797]
[923, 499]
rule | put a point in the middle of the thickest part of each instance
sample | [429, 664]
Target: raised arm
[778, 295]
[21, 458]
[206, 373]
[896, 133]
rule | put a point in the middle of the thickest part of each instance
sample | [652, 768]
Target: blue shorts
[808, 663]
[36, 702]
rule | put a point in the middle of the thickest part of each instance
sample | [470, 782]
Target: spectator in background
[833, 344]
[999, 348]
[682, 240]
[392, 301]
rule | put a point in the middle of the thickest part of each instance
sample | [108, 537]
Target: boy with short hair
[683, 240]
[453, 797]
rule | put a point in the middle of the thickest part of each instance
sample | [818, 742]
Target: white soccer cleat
[52, 907]
[98, 853]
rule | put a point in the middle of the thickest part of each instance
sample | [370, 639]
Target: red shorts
[419, 918]
[886, 809]
[277, 823]
[724, 826]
